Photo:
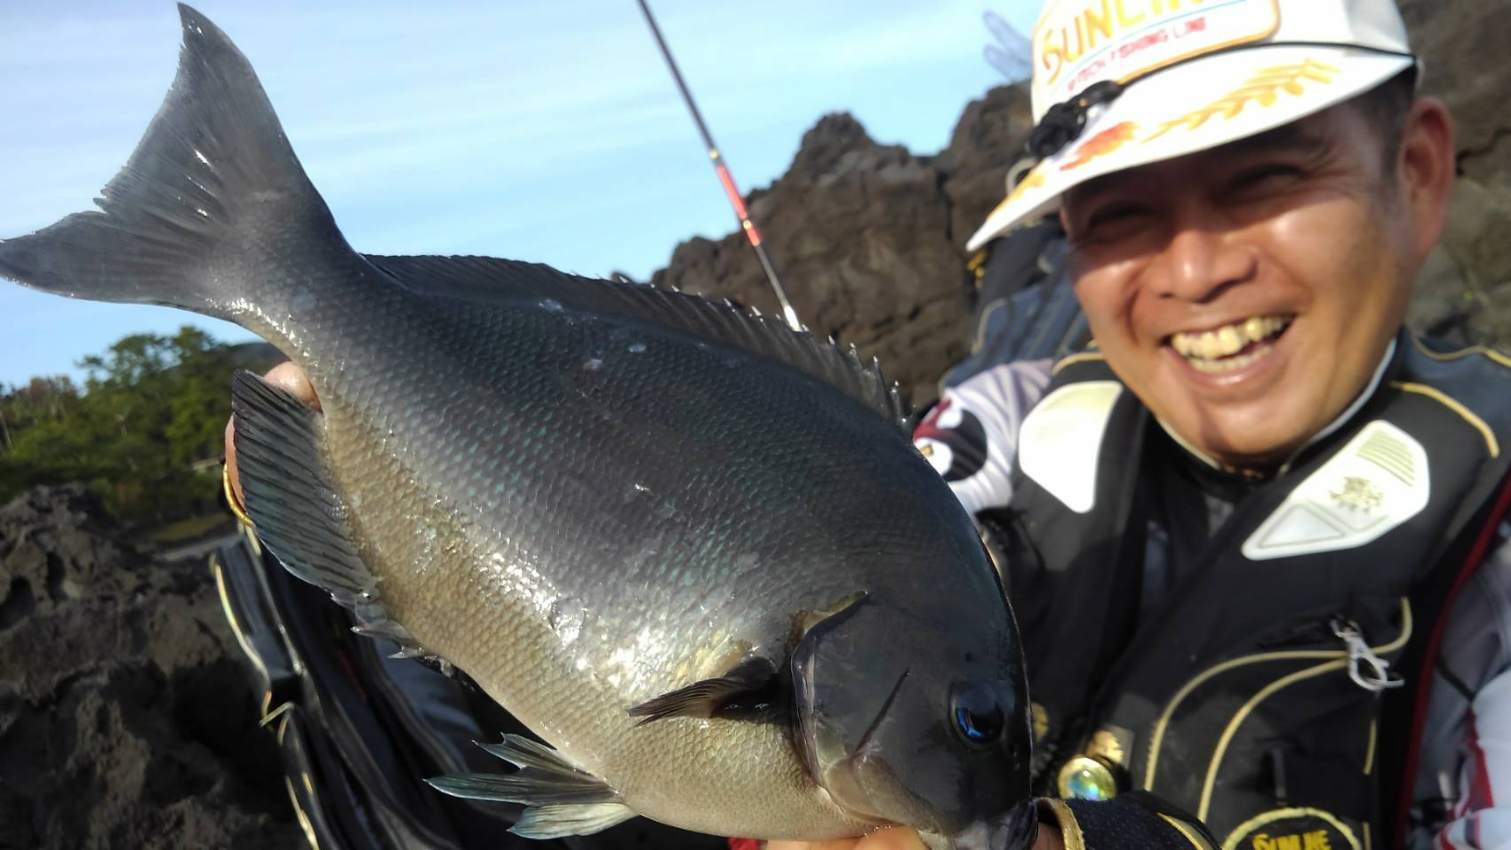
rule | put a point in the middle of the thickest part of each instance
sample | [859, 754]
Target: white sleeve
[971, 436]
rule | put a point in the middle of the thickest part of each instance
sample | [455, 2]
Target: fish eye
[977, 713]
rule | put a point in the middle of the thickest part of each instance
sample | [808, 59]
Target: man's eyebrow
[1287, 138]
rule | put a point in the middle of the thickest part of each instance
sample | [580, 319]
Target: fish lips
[1017, 830]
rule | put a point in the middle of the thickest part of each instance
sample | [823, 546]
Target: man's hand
[900, 838]
[896, 838]
[285, 376]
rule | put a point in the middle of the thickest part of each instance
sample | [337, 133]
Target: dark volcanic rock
[987, 141]
[1465, 292]
[863, 237]
[125, 720]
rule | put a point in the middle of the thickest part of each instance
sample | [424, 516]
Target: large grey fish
[684, 546]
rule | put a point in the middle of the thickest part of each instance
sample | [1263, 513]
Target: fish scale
[690, 549]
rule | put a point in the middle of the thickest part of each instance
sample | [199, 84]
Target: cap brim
[1192, 107]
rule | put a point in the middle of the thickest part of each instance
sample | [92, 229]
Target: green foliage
[152, 407]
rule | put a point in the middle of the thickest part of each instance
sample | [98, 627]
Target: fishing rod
[725, 178]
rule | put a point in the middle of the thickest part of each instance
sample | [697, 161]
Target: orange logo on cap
[1101, 144]
[1264, 88]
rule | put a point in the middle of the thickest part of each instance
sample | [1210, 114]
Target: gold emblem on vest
[1293, 828]
[1316, 839]
[1357, 494]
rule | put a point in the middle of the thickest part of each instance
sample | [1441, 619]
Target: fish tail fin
[212, 185]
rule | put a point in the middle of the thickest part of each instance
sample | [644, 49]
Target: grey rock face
[124, 718]
[863, 236]
[1465, 292]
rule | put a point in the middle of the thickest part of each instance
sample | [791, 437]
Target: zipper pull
[1368, 670]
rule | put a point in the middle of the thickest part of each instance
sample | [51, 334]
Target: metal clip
[1368, 670]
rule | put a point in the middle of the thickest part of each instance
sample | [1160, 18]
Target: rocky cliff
[125, 720]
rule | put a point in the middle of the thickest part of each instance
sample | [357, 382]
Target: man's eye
[1272, 174]
[1114, 216]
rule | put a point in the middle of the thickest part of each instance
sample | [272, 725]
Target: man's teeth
[1227, 340]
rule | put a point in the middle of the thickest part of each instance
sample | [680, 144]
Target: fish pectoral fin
[294, 506]
[752, 690]
[560, 799]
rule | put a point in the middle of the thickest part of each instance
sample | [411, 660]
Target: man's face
[1247, 293]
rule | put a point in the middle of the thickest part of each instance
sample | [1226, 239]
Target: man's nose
[1200, 262]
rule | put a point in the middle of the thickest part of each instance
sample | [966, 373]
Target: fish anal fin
[560, 799]
[752, 689]
[560, 821]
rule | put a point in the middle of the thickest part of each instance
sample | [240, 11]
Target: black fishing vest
[1236, 701]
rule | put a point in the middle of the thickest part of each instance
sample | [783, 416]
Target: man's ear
[1426, 170]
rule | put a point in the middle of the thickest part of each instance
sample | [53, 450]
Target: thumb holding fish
[287, 377]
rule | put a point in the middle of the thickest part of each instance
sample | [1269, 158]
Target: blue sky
[546, 131]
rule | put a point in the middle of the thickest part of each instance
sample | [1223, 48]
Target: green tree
[151, 408]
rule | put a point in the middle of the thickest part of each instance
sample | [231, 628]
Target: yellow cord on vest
[231, 500]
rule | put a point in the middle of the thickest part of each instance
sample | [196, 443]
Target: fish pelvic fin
[560, 799]
[294, 506]
[209, 189]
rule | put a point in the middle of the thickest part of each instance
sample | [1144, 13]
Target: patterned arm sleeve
[971, 436]
[1481, 811]
[1482, 817]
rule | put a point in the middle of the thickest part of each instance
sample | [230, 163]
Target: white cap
[1181, 76]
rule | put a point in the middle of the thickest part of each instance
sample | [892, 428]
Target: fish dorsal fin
[750, 690]
[294, 506]
[492, 280]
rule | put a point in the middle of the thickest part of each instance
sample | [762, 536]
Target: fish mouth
[1230, 346]
[1016, 829]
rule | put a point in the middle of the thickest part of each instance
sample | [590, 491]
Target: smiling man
[1254, 535]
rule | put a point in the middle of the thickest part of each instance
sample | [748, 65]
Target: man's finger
[232, 478]
[896, 838]
[287, 377]
[291, 379]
